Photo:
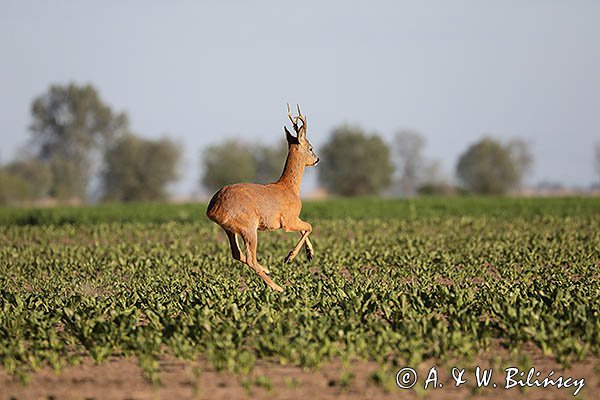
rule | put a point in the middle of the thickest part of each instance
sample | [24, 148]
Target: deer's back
[250, 205]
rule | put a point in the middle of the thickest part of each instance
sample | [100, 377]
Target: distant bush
[439, 189]
[13, 189]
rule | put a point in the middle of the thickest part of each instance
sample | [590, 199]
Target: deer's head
[300, 143]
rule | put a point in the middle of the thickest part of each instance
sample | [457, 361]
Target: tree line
[360, 163]
[80, 148]
[75, 139]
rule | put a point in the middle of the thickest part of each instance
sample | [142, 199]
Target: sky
[202, 71]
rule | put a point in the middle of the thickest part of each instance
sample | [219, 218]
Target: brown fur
[244, 208]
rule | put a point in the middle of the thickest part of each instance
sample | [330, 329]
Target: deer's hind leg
[236, 253]
[251, 240]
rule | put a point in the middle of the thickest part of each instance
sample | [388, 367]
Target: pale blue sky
[201, 71]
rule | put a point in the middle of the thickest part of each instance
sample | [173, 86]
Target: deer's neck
[292, 172]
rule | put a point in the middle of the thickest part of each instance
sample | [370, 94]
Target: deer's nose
[316, 162]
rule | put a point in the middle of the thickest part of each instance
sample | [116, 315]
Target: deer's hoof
[288, 258]
[277, 288]
[310, 255]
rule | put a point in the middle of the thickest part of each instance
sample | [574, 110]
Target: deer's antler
[301, 117]
[295, 119]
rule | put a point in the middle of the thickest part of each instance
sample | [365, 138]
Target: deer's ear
[291, 139]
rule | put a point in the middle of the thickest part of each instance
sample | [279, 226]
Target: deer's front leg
[310, 252]
[305, 229]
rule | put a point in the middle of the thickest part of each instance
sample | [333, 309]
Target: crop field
[394, 283]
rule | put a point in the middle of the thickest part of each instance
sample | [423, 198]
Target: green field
[393, 282]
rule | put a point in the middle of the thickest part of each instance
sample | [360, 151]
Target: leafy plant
[383, 287]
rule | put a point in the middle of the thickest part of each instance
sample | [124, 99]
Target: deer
[243, 209]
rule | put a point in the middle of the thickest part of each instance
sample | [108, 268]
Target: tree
[70, 123]
[410, 164]
[138, 169]
[234, 161]
[355, 163]
[521, 155]
[229, 162]
[488, 167]
[270, 161]
[434, 182]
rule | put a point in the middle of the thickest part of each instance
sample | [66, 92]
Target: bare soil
[122, 379]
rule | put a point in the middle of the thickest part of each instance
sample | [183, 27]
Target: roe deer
[243, 208]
